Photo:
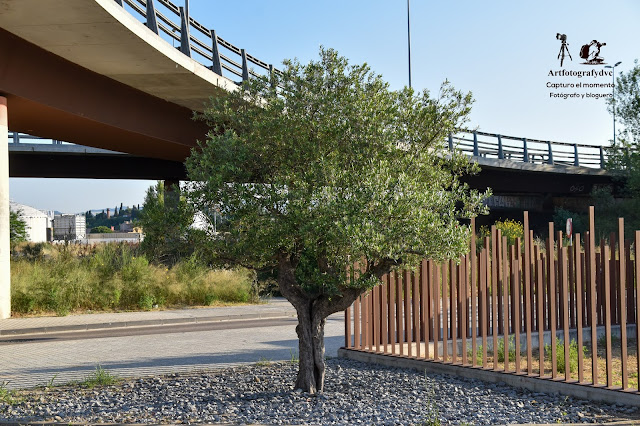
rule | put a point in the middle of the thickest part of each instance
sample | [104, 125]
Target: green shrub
[573, 355]
[511, 229]
[116, 277]
[512, 350]
[101, 230]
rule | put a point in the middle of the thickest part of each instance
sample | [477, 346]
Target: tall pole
[409, 37]
[613, 79]
[5, 272]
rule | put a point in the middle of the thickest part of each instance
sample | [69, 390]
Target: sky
[504, 52]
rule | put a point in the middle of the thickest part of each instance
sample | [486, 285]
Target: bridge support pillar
[5, 271]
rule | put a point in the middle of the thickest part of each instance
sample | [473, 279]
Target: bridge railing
[23, 138]
[479, 144]
[502, 147]
[173, 24]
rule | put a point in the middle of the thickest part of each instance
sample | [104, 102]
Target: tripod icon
[564, 49]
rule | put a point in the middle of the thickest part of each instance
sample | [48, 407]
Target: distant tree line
[116, 216]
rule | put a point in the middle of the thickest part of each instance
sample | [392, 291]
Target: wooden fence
[559, 312]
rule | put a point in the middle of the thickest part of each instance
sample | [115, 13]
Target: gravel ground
[355, 393]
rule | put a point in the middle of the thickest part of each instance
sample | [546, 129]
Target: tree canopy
[166, 220]
[324, 165]
[624, 156]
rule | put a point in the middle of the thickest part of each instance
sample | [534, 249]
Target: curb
[143, 323]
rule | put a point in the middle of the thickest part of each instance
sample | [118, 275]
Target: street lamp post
[613, 79]
[409, 37]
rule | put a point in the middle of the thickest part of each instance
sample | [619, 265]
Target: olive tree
[321, 166]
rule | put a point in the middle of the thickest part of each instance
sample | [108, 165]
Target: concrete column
[5, 272]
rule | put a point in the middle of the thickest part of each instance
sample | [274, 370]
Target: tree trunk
[312, 313]
[310, 332]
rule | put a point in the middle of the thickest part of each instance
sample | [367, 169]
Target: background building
[37, 221]
[69, 227]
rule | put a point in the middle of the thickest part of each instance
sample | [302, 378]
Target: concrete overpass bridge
[121, 78]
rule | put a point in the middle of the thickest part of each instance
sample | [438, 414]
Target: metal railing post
[185, 38]
[500, 150]
[450, 142]
[576, 159]
[476, 151]
[215, 54]
[550, 159]
[152, 23]
[601, 158]
[525, 155]
[245, 67]
[16, 137]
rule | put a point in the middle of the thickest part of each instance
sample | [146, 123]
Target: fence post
[550, 159]
[185, 38]
[476, 152]
[16, 137]
[245, 67]
[500, 151]
[152, 24]
[601, 157]
[576, 159]
[450, 142]
[637, 278]
[215, 54]
[526, 151]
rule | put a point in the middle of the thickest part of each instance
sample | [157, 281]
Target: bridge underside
[73, 104]
[82, 166]
[516, 189]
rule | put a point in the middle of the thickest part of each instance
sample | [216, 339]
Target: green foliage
[580, 220]
[509, 228]
[623, 157]
[100, 377]
[166, 221]
[573, 355]
[627, 105]
[101, 230]
[117, 276]
[7, 396]
[333, 167]
[512, 349]
[17, 227]
[608, 209]
[432, 417]
[117, 217]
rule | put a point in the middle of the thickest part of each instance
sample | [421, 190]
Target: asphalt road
[145, 330]
[36, 359]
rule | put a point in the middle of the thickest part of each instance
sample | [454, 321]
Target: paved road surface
[33, 359]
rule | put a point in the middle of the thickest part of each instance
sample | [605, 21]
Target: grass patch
[62, 279]
[263, 362]
[7, 396]
[587, 366]
[433, 413]
[100, 377]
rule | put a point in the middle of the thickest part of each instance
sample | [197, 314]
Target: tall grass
[67, 278]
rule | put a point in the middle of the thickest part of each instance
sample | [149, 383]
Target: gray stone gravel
[355, 393]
